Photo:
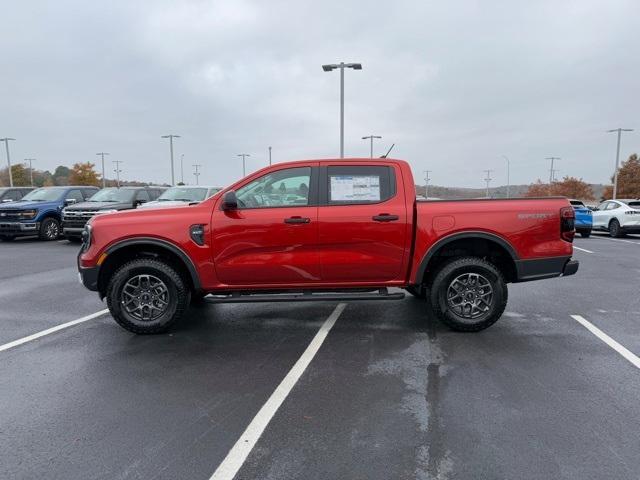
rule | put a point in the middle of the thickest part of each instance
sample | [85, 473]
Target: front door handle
[297, 220]
[385, 217]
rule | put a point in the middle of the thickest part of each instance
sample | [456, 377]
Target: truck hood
[93, 206]
[164, 204]
[28, 204]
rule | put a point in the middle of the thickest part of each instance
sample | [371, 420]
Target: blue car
[40, 211]
[584, 218]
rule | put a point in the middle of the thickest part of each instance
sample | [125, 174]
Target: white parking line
[608, 340]
[49, 331]
[615, 240]
[240, 451]
[582, 249]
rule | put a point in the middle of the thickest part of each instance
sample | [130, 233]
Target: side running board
[383, 294]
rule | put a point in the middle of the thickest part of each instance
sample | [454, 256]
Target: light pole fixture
[6, 141]
[196, 173]
[551, 170]
[30, 160]
[104, 180]
[117, 170]
[171, 137]
[244, 165]
[488, 179]
[615, 173]
[508, 174]
[371, 137]
[341, 66]
[426, 183]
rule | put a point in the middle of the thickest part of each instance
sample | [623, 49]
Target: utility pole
[104, 180]
[615, 173]
[508, 175]
[244, 169]
[551, 170]
[171, 137]
[182, 169]
[6, 141]
[371, 137]
[341, 66]
[488, 179]
[196, 173]
[269, 156]
[117, 170]
[30, 168]
[426, 183]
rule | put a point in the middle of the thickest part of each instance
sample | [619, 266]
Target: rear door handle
[385, 217]
[296, 220]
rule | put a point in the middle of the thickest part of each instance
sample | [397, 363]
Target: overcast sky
[455, 85]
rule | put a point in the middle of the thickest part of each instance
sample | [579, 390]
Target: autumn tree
[628, 180]
[572, 187]
[18, 172]
[538, 189]
[84, 174]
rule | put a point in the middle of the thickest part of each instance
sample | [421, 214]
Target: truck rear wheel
[468, 294]
[147, 296]
[49, 229]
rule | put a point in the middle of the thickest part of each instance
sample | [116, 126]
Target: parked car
[40, 212]
[359, 232]
[182, 195]
[13, 194]
[584, 218]
[107, 200]
[618, 217]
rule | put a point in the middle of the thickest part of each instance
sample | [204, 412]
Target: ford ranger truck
[40, 212]
[325, 230]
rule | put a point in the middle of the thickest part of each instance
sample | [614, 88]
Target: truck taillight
[567, 223]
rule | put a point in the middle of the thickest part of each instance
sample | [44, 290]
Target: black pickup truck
[107, 200]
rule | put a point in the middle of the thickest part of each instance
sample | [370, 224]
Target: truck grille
[77, 218]
[9, 215]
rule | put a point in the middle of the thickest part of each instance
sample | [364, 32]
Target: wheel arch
[142, 247]
[474, 243]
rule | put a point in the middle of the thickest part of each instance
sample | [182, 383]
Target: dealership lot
[390, 393]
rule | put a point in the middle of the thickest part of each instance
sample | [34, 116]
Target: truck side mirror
[7, 200]
[230, 201]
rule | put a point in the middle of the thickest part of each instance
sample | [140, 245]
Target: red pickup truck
[325, 230]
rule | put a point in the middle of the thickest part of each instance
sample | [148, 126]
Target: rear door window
[358, 184]
[143, 195]
[74, 195]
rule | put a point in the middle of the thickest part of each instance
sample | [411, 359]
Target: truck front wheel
[147, 296]
[468, 294]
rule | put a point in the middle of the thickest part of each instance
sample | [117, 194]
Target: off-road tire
[614, 229]
[179, 295]
[442, 280]
[418, 291]
[49, 229]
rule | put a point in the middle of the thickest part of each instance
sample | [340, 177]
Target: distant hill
[451, 193]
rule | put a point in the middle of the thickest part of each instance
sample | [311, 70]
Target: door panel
[363, 235]
[272, 238]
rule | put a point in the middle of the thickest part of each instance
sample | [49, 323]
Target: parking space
[390, 393]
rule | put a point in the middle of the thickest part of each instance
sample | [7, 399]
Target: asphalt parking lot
[389, 394]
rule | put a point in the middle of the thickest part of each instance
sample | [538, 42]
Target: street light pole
[488, 179]
[551, 170]
[426, 183]
[104, 180]
[615, 173]
[508, 175]
[244, 169]
[6, 141]
[30, 169]
[182, 168]
[371, 137]
[269, 156]
[171, 137]
[196, 173]
[341, 66]
[117, 170]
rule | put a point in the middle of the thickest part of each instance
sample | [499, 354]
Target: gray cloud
[455, 85]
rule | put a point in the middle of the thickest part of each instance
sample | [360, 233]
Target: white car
[182, 195]
[618, 217]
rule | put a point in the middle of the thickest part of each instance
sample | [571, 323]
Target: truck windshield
[44, 195]
[185, 194]
[113, 195]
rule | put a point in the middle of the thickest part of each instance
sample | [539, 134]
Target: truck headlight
[86, 236]
[28, 214]
[103, 212]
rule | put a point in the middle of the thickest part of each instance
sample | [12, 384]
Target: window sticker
[355, 188]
